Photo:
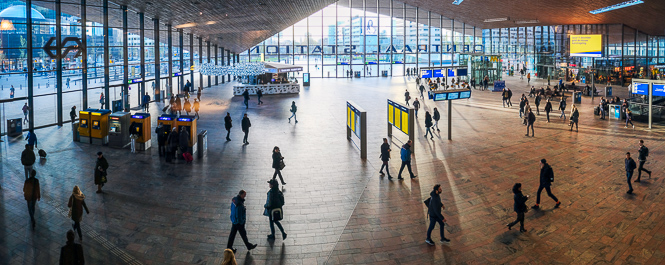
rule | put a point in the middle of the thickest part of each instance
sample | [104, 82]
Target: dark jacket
[71, 254]
[434, 208]
[531, 118]
[548, 106]
[546, 176]
[642, 153]
[522, 103]
[135, 128]
[537, 100]
[173, 139]
[271, 200]
[227, 123]
[77, 208]
[101, 162]
[510, 93]
[562, 105]
[405, 152]
[406, 95]
[416, 105]
[31, 191]
[575, 116]
[520, 203]
[72, 114]
[245, 94]
[28, 157]
[184, 140]
[259, 93]
[32, 139]
[245, 124]
[276, 157]
[428, 120]
[385, 153]
[162, 135]
[630, 164]
[437, 116]
[238, 211]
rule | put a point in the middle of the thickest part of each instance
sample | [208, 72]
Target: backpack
[279, 199]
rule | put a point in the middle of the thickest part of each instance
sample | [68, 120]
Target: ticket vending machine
[168, 121]
[84, 126]
[143, 119]
[189, 123]
[119, 129]
[99, 122]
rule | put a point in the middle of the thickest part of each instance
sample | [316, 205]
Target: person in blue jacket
[406, 154]
[519, 207]
[630, 168]
[32, 139]
[238, 218]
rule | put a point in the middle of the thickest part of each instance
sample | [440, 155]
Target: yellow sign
[586, 45]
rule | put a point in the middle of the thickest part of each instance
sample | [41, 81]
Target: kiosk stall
[189, 123]
[143, 142]
[274, 81]
[118, 129]
[99, 122]
[84, 126]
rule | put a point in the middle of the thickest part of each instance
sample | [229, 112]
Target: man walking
[406, 154]
[245, 95]
[437, 116]
[630, 167]
[574, 118]
[146, 101]
[273, 208]
[519, 206]
[407, 97]
[510, 96]
[28, 159]
[422, 91]
[32, 194]
[293, 110]
[537, 101]
[259, 94]
[522, 104]
[238, 218]
[434, 212]
[562, 107]
[416, 106]
[25, 112]
[162, 135]
[546, 179]
[530, 120]
[504, 97]
[385, 157]
[245, 124]
[71, 253]
[548, 109]
[428, 125]
[72, 114]
[643, 152]
[228, 124]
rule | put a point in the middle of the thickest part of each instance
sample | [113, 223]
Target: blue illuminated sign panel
[641, 89]
[658, 90]
[451, 73]
[440, 96]
[165, 118]
[438, 73]
[465, 94]
[426, 73]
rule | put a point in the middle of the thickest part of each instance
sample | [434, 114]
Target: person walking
[407, 97]
[245, 96]
[228, 124]
[546, 179]
[428, 125]
[422, 91]
[548, 109]
[537, 102]
[101, 100]
[504, 97]
[522, 104]
[76, 205]
[629, 118]
[642, 155]
[434, 208]
[437, 116]
[245, 124]
[277, 164]
[178, 105]
[100, 171]
[562, 108]
[28, 160]
[173, 142]
[528, 78]
[385, 157]
[134, 133]
[196, 108]
[238, 219]
[405, 154]
[188, 106]
[416, 106]
[72, 114]
[530, 120]
[25, 112]
[146, 102]
[630, 168]
[574, 118]
[162, 136]
[32, 194]
[519, 207]
[273, 209]
[510, 96]
[32, 139]
[259, 94]
[293, 110]
[71, 253]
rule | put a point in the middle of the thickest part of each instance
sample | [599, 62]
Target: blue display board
[499, 85]
[641, 88]
[462, 72]
[438, 73]
[451, 73]
[454, 95]
[426, 73]
[658, 90]
[465, 94]
[440, 96]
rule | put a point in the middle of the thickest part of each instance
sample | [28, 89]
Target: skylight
[617, 6]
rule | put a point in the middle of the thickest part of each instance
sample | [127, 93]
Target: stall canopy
[278, 68]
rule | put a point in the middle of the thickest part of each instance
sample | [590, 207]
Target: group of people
[245, 124]
[176, 105]
[171, 141]
[245, 95]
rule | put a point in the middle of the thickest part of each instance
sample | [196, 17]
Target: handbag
[276, 214]
[281, 164]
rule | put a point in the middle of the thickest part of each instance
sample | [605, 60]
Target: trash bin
[608, 91]
[357, 74]
[384, 73]
[14, 127]
[577, 97]
[75, 132]
[202, 143]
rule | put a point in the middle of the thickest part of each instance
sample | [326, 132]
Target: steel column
[158, 62]
[107, 57]
[30, 66]
[84, 58]
[125, 60]
[58, 62]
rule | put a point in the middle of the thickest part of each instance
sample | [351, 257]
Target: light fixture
[496, 19]
[527, 21]
[6, 25]
[211, 22]
[617, 6]
[186, 25]
[457, 2]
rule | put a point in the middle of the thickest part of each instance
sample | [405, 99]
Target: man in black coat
[630, 168]
[436, 117]
[519, 206]
[530, 119]
[537, 101]
[546, 179]
[28, 159]
[385, 157]
[173, 142]
[643, 152]
[162, 136]
[71, 253]
[245, 124]
[228, 125]
[435, 216]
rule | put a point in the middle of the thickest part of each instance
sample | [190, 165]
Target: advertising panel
[586, 45]
[641, 88]
[658, 90]
[438, 73]
[426, 73]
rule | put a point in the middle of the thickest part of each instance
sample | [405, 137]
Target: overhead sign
[499, 85]
[586, 45]
[398, 116]
[658, 90]
[641, 88]
[437, 73]
[452, 94]
[426, 73]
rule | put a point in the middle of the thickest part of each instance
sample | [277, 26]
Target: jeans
[436, 125]
[235, 228]
[260, 102]
[510, 103]
[429, 131]
[432, 222]
[548, 115]
[31, 209]
[537, 110]
[416, 111]
[629, 176]
[133, 145]
[278, 173]
[27, 170]
[293, 116]
[246, 103]
[602, 113]
[521, 112]
[629, 121]
[549, 193]
[527, 129]
[228, 133]
[563, 114]
[641, 168]
[162, 149]
[272, 226]
[244, 140]
[520, 219]
[385, 165]
[408, 166]
[77, 228]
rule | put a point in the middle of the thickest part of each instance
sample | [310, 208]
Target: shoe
[425, 136]
[414, 176]
[535, 207]
[283, 236]
[526, 135]
[271, 236]
[649, 174]
[390, 177]
[296, 121]
[234, 250]
[522, 230]
[633, 127]
[557, 205]
[33, 224]
[629, 191]
[400, 178]
[246, 142]
[429, 242]
[289, 119]
[283, 183]
[637, 180]
[444, 240]
[509, 227]
[251, 247]
[438, 130]
[80, 239]
[381, 172]
[625, 127]
[99, 191]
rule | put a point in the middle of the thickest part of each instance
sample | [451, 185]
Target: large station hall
[324, 132]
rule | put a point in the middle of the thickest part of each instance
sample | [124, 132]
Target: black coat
[245, 124]
[227, 123]
[28, 157]
[101, 162]
[548, 107]
[173, 139]
[385, 153]
[531, 118]
[437, 116]
[546, 176]
[434, 208]
[537, 100]
[428, 120]
[71, 254]
[162, 135]
[520, 203]
[276, 157]
[630, 165]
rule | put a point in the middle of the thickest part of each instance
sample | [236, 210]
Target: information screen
[658, 90]
[438, 73]
[466, 94]
[305, 77]
[454, 95]
[461, 71]
[586, 45]
[641, 88]
[451, 73]
[398, 116]
[353, 119]
[440, 96]
[426, 73]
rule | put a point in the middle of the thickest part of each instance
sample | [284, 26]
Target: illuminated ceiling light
[211, 22]
[527, 21]
[617, 6]
[6, 25]
[457, 2]
[186, 25]
[496, 19]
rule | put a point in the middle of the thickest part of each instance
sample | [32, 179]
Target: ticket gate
[84, 126]
[119, 129]
[189, 123]
[99, 122]
[168, 121]
[143, 119]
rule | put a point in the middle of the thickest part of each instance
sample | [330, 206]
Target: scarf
[79, 196]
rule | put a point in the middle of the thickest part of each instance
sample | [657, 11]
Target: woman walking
[273, 208]
[519, 207]
[277, 162]
[100, 171]
[229, 258]
[76, 205]
[629, 118]
[574, 118]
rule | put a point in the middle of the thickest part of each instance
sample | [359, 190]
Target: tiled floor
[338, 209]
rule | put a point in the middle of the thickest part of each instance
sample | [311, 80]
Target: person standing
[642, 155]
[435, 216]
[629, 118]
[101, 100]
[162, 135]
[277, 161]
[407, 97]
[71, 253]
[548, 109]
[28, 160]
[546, 179]
[178, 105]
[428, 125]
[530, 120]
[245, 96]
[562, 108]
[602, 105]
[537, 101]
[273, 208]
[293, 110]
[76, 205]
[100, 171]
[173, 143]
[228, 124]
[184, 140]
[385, 157]
[519, 206]
[630, 168]
[188, 106]
[574, 118]
[134, 133]
[72, 114]
[259, 94]
[406, 154]
[437, 116]
[238, 219]
[146, 101]
[245, 124]
[416, 106]
[32, 194]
